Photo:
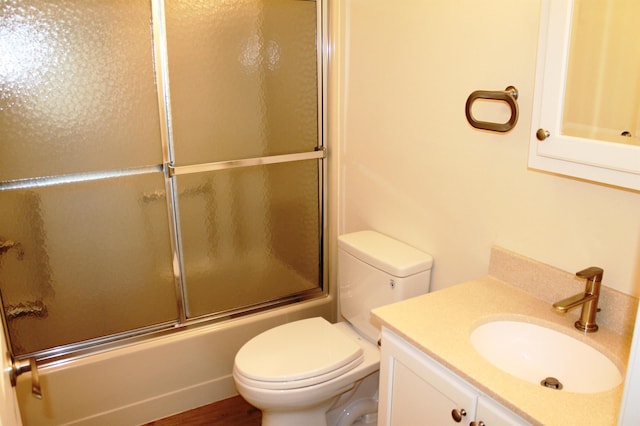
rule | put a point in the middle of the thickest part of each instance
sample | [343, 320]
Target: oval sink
[535, 353]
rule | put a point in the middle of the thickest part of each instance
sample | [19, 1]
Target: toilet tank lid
[385, 253]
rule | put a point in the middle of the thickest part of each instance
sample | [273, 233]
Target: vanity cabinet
[416, 390]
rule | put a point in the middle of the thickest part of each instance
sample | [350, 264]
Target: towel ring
[508, 95]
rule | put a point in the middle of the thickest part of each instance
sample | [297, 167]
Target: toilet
[314, 373]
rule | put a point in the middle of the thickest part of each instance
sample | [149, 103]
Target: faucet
[588, 300]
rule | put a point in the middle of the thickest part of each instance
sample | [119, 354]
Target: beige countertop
[440, 324]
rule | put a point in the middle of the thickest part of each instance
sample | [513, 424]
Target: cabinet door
[415, 390]
[490, 413]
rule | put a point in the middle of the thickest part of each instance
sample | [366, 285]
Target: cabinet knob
[480, 423]
[542, 134]
[458, 414]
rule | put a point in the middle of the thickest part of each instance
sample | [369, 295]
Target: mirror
[588, 92]
[602, 98]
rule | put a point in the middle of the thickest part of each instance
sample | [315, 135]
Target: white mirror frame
[606, 162]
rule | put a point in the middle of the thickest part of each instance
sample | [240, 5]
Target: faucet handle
[592, 273]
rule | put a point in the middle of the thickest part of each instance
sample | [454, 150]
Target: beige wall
[413, 168]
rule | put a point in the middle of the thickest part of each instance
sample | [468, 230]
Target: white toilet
[311, 372]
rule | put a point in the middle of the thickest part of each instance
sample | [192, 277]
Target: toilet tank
[375, 270]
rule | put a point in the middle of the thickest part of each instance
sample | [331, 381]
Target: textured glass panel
[88, 260]
[243, 78]
[77, 87]
[250, 235]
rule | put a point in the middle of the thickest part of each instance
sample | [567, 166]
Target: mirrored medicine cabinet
[586, 116]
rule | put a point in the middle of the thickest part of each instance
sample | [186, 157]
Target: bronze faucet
[588, 300]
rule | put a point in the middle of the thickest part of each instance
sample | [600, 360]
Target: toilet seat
[311, 351]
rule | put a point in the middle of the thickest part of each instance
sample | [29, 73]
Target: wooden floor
[229, 412]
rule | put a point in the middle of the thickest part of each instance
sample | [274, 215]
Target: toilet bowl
[309, 372]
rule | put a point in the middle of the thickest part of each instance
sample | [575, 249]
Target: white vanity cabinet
[416, 390]
[490, 413]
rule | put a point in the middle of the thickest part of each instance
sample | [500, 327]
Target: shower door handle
[319, 153]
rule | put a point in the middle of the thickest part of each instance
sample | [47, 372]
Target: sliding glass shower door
[160, 163]
[249, 234]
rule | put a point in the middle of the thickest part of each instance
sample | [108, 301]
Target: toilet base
[358, 406]
[310, 416]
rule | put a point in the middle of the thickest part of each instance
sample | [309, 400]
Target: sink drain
[552, 383]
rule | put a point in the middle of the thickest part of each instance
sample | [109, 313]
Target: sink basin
[544, 356]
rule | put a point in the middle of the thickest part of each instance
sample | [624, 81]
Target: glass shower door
[245, 138]
[161, 164]
[83, 256]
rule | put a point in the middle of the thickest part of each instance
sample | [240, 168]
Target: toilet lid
[308, 352]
